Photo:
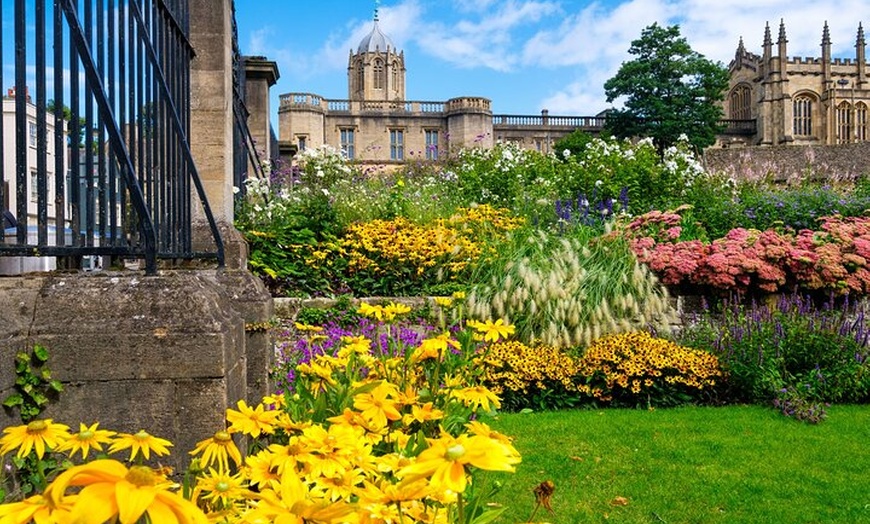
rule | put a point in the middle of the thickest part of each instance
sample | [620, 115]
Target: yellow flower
[379, 405]
[291, 503]
[392, 310]
[444, 301]
[38, 508]
[217, 449]
[252, 421]
[434, 347]
[87, 438]
[219, 488]
[359, 345]
[493, 331]
[459, 295]
[422, 414]
[307, 327]
[477, 396]
[38, 435]
[111, 491]
[371, 311]
[444, 461]
[142, 442]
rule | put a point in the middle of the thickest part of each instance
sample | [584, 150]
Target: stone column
[260, 75]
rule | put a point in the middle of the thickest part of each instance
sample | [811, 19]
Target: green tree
[668, 90]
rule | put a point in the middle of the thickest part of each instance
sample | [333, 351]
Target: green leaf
[56, 386]
[40, 352]
[13, 400]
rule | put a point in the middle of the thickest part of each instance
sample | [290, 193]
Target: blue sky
[524, 55]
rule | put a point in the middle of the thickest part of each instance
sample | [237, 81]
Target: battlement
[468, 104]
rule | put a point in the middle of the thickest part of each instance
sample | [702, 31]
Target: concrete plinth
[164, 353]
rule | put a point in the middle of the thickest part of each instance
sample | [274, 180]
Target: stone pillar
[211, 96]
[260, 75]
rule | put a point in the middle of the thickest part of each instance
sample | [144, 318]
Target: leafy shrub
[634, 369]
[537, 377]
[821, 351]
[568, 291]
[793, 403]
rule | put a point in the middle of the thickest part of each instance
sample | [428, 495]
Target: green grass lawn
[741, 464]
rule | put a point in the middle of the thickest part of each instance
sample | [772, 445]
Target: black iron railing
[102, 163]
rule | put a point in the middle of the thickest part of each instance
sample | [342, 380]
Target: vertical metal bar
[113, 101]
[4, 205]
[75, 160]
[60, 146]
[21, 128]
[90, 168]
[123, 87]
[41, 127]
[101, 150]
[131, 99]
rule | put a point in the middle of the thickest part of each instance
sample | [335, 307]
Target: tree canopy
[668, 90]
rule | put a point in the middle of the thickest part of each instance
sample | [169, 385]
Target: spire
[860, 41]
[767, 40]
[826, 35]
[377, 6]
[782, 39]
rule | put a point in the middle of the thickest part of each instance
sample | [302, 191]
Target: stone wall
[165, 353]
[829, 162]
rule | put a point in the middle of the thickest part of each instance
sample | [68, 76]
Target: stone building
[376, 123]
[798, 101]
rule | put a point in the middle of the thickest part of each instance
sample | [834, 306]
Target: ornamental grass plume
[568, 291]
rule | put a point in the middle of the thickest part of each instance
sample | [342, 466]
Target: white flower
[566, 153]
[236, 190]
[598, 183]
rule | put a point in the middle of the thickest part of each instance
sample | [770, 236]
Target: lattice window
[397, 144]
[844, 123]
[740, 103]
[803, 115]
[379, 79]
[347, 143]
[860, 122]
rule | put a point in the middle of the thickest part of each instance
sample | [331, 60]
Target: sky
[524, 55]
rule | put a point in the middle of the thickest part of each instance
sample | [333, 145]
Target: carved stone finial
[782, 38]
[826, 35]
[767, 39]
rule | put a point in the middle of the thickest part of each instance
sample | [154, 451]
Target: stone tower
[376, 71]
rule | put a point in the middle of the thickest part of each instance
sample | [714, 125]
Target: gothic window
[844, 123]
[740, 103]
[860, 122]
[360, 76]
[395, 76]
[803, 115]
[379, 75]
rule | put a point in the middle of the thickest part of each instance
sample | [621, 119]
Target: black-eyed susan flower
[141, 443]
[378, 405]
[219, 489]
[37, 435]
[217, 450]
[252, 421]
[477, 397]
[292, 503]
[434, 347]
[87, 437]
[110, 491]
[493, 331]
[444, 462]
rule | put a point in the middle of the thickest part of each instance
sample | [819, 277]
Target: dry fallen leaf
[619, 501]
[578, 459]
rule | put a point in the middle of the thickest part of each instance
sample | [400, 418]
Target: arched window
[844, 123]
[379, 75]
[394, 82]
[360, 76]
[860, 122]
[803, 115]
[740, 103]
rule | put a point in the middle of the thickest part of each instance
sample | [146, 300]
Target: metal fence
[96, 158]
